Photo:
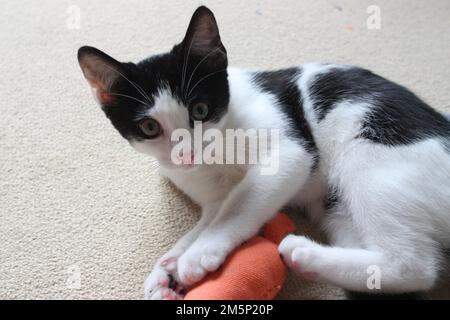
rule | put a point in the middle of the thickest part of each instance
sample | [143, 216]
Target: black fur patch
[163, 72]
[166, 70]
[399, 116]
[194, 71]
[281, 83]
[447, 145]
[332, 198]
[447, 116]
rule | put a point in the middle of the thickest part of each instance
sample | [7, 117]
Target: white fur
[399, 213]
[399, 197]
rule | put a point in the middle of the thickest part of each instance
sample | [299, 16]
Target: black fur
[447, 145]
[399, 116]
[281, 83]
[332, 198]
[205, 73]
[447, 116]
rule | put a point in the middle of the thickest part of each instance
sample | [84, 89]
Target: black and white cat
[367, 158]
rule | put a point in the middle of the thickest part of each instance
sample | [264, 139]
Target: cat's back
[378, 136]
[388, 113]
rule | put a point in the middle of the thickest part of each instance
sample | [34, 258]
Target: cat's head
[147, 101]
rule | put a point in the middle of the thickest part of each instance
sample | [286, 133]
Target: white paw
[160, 285]
[300, 254]
[292, 242]
[200, 259]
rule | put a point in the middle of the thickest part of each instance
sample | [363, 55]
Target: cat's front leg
[162, 282]
[254, 201]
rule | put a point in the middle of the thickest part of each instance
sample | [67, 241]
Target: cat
[367, 159]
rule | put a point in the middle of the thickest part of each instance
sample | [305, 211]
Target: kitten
[367, 158]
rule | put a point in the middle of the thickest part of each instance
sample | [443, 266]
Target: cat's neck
[242, 94]
[249, 106]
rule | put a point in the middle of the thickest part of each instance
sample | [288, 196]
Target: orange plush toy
[254, 271]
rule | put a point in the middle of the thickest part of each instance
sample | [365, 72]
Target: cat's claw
[160, 285]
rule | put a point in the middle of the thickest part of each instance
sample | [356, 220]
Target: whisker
[135, 85]
[207, 76]
[130, 97]
[185, 64]
[198, 65]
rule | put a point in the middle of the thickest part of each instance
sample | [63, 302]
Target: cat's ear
[101, 71]
[203, 39]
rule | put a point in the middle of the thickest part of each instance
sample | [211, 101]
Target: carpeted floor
[82, 216]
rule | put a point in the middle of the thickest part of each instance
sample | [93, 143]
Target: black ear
[203, 39]
[101, 71]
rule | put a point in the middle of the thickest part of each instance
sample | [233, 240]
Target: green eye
[150, 128]
[199, 111]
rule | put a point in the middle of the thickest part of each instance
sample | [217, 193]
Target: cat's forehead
[168, 110]
[165, 101]
[164, 105]
[161, 72]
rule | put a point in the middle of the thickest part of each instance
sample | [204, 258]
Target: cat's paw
[290, 243]
[200, 259]
[161, 285]
[300, 254]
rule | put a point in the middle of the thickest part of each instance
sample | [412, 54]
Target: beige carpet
[82, 216]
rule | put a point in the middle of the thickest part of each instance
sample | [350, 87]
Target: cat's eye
[150, 128]
[199, 111]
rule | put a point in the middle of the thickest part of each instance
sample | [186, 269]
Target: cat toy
[254, 271]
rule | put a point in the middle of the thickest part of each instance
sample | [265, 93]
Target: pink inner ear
[105, 97]
[97, 85]
[100, 91]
